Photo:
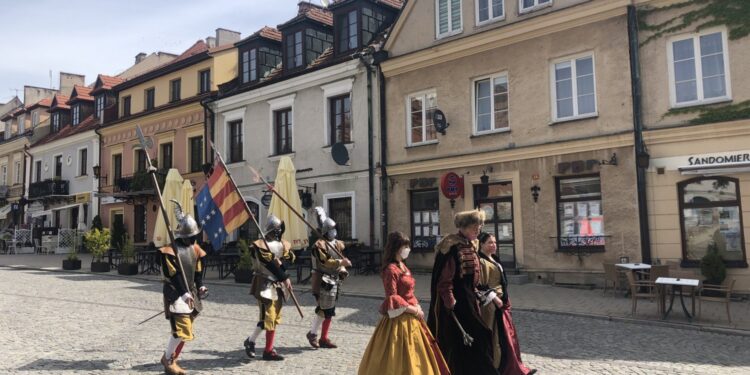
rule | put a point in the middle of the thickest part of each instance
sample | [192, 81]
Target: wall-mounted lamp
[535, 192]
[484, 188]
[98, 172]
[642, 159]
[611, 161]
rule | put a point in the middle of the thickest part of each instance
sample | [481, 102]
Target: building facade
[696, 131]
[538, 98]
[166, 103]
[303, 91]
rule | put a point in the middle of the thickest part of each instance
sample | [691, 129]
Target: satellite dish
[441, 123]
[339, 153]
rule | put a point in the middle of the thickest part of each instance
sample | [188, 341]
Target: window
[99, 103]
[698, 69]
[574, 93]
[73, 219]
[196, 153]
[3, 174]
[491, 104]
[82, 160]
[235, 141]
[55, 122]
[174, 90]
[140, 161]
[38, 171]
[579, 213]
[17, 172]
[711, 214]
[448, 17]
[490, 10]
[21, 124]
[340, 119]
[253, 64]
[283, 131]
[294, 50]
[76, 114]
[425, 219]
[347, 26]
[58, 166]
[530, 5]
[248, 230]
[341, 211]
[166, 155]
[34, 119]
[204, 81]
[268, 59]
[150, 95]
[245, 66]
[372, 22]
[140, 220]
[315, 43]
[421, 128]
[126, 105]
[116, 168]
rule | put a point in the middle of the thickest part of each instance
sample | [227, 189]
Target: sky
[92, 37]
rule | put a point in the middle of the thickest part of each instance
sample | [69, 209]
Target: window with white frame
[99, 106]
[3, 174]
[22, 124]
[491, 104]
[76, 114]
[340, 208]
[698, 69]
[82, 161]
[421, 128]
[530, 5]
[448, 16]
[490, 10]
[17, 172]
[573, 91]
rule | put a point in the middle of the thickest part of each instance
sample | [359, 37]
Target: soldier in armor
[271, 285]
[328, 270]
[182, 303]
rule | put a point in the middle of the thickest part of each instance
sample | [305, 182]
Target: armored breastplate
[188, 259]
[277, 248]
[328, 249]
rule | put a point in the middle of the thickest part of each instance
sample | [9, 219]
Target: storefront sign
[422, 183]
[577, 166]
[452, 186]
[83, 197]
[720, 159]
[703, 161]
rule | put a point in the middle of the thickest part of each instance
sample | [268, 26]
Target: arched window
[249, 231]
[710, 212]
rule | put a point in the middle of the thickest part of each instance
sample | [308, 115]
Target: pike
[152, 173]
[153, 316]
[255, 221]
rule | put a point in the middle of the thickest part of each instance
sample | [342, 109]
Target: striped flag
[220, 206]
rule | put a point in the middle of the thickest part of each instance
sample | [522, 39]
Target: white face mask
[404, 253]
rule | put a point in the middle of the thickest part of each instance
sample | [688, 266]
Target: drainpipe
[640, 147]
[22, 207]
[208, 113]
[370, 149]
[383, 150]
[99, 180]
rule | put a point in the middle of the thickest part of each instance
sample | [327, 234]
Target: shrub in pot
[128, 266]
[244, 272]
[71, 262]
[713, 267]
[97, 242]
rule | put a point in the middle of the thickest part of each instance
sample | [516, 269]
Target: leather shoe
[249, 348]
[313, 340]
[272, 356]
[327, 344]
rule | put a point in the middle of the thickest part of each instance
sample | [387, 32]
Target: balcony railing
[138, 182]
[4, 189]
[15, 191]
[48, 188]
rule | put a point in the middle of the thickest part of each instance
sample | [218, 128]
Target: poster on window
[435, 217]
[435, 230]
[425, 217]
[418, 231]
[569, 227]
[583, 208]
[569, 210]
[594, 208]
[417, 218]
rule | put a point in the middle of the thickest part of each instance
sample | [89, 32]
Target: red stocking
[178, 350]
[326, 327]
[269, 341]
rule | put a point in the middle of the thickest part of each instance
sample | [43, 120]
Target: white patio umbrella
[286, 185]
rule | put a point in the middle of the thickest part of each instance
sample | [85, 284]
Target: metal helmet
[275, 227]
[186, 225]
[327, 225]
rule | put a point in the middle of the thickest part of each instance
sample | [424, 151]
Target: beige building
[694, 89]
[538, 98]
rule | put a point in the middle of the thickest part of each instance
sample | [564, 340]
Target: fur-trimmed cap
[468, 218]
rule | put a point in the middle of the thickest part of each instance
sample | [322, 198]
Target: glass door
[498, 210]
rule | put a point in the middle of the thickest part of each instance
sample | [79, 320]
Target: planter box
[127, 269]
[99, 267]
[243, 276]
[71, 264]
[61, 250]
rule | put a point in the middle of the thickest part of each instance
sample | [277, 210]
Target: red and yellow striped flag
[227, 198]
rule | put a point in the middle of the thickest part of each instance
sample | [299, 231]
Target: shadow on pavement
[47, 364]
[223, 360]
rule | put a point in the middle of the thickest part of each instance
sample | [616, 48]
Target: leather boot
[169, 366]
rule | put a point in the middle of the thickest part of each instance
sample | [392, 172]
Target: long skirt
[402, 345]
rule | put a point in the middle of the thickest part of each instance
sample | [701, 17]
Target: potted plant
[713, 268]
[96, 223]
[72, 262]
[244, 272]
[128, 266]
[97, 241]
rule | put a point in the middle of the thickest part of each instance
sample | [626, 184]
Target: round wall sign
[69, 160]
[452, 186]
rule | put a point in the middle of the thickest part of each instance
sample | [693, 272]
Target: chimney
[224, 37]
[211, 42]
[139, 57]
[304, 6]
[69, 80]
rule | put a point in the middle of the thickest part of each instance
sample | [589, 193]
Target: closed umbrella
[172, 190]
[186, 198]
[286, 185]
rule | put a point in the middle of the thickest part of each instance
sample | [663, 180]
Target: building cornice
[692, 133]
[532, 28]
[522, 153]
[66, 142]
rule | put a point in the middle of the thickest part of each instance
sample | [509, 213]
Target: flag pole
[252, 216]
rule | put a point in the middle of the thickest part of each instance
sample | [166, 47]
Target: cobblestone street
[74, 323]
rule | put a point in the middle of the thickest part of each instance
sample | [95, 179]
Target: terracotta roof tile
[398, 4]
[312, 12]
[88, 123]
[82, 93]
[198, 47]
[61, 102]
[108, 81]
[269, 33]
[325, 56]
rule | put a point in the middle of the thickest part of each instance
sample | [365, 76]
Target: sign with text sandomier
[713, 163]
[452, 187]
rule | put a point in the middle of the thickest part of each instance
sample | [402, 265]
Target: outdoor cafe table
[678, 284]
[634, 266]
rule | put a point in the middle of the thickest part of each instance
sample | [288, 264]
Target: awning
[64, 207]
[40, 213]
[714, 169]
[4, 211]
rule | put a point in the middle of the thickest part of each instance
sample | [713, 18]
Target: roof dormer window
[294, 50]
[76, 114]
[99, 105]
[55, 122]
[348, 30]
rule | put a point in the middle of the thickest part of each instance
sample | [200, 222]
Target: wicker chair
[725, 299]
[612, 275]
[641, 290]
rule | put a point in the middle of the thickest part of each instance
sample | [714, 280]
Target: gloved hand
[203, 292]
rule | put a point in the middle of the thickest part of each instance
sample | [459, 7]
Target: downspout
[22, 207]
[99, 180]
[640, 148]
[370, 151]
[383, 150]
[208, 113]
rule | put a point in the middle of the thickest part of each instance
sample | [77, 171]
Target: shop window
[711, 214]
[579, 213]
[425, 219]
[341, 211]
